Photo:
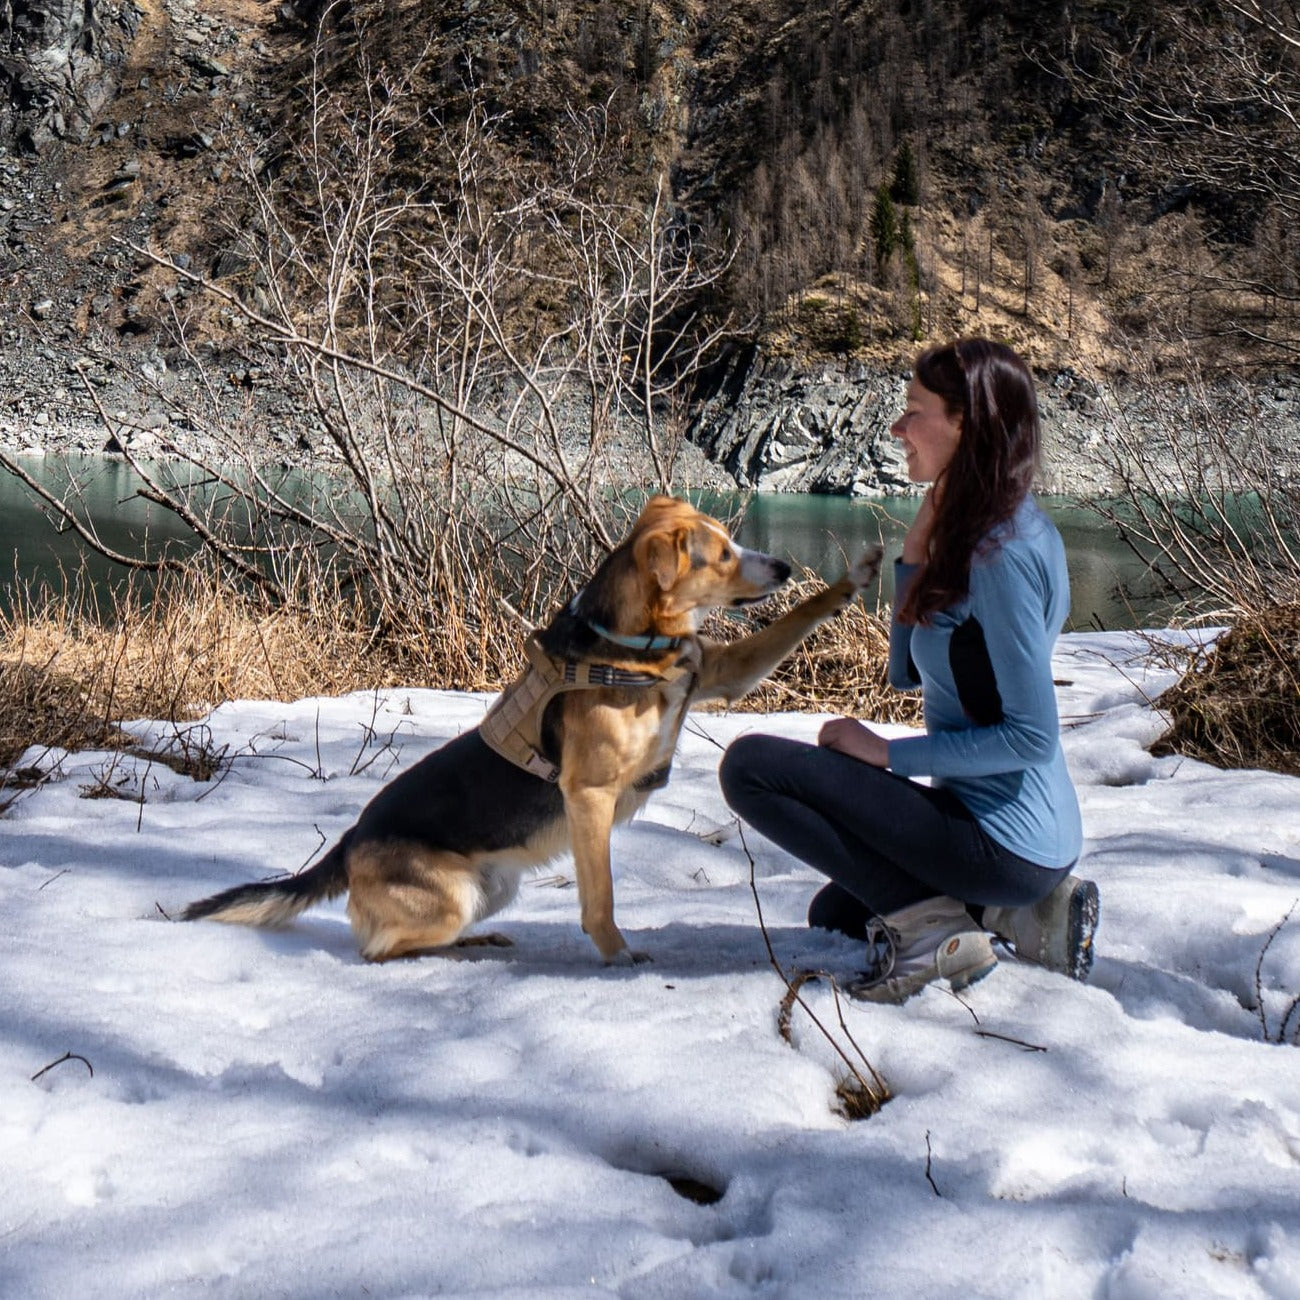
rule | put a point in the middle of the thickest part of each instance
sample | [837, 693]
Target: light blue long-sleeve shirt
[984, 666]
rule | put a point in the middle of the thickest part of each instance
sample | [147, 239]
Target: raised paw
[866, 568]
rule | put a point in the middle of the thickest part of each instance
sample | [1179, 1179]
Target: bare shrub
[71, 669]
[1209, 496]
[1207, 492]
[1240, 706]
[488, 353]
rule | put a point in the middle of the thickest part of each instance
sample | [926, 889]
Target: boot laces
[882, 951]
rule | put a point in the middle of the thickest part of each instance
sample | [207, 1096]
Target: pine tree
[906, 185]
[884, 226]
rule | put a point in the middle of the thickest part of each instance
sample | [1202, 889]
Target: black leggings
[883, 840]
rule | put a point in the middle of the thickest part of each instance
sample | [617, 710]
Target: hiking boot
[1057, 931]
[918, 944]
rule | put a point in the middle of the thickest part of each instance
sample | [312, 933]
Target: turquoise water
[814, 531]
[819, 531]
[34, 547]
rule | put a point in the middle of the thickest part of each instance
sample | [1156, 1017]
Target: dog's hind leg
[405, 899]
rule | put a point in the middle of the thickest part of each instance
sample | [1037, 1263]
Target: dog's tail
[272, 904]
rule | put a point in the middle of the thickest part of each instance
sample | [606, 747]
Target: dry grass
[67, 674]
[71, 673]
[1240, 708]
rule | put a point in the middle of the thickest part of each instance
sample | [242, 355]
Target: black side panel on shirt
[972, 673]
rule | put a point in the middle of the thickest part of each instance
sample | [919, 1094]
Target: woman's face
[928, 433]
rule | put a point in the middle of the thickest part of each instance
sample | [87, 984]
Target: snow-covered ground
[270, 1116]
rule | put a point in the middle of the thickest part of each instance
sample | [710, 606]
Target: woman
[923, 872]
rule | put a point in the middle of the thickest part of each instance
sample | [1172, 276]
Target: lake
[820, 530]
[815, 531]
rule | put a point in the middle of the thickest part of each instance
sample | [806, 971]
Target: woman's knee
[744, 766]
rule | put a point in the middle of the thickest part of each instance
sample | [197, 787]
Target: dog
[573, 748]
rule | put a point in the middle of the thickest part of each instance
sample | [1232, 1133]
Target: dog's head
[689, 562]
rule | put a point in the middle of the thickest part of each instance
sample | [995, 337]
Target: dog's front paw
[628, 957]
[866, 568]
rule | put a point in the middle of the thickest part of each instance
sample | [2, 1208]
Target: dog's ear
[661, 555]
[658, 514]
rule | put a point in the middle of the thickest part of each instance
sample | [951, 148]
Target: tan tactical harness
[513, 725]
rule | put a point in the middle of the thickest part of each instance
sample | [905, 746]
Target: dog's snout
[764, 571]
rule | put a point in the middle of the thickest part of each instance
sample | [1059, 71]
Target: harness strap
[579, 674]
[513, 724]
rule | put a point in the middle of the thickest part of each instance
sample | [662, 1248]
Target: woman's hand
[849, 736]
[916, 544]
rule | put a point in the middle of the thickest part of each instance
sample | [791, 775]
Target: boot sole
[1085, 910]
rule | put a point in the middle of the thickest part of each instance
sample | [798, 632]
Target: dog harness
[513, 725]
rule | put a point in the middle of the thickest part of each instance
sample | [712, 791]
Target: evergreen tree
[884, 226]
[906, 185]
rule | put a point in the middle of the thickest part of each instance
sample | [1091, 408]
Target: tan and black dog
[444, 844]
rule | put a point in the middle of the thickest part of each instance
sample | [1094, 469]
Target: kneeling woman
[922, 872]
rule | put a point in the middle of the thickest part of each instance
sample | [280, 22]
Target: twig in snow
[868, 1096]
[693, 726]
[1006, 1038]
[787, 1003]
[980, 1032]
[1286, 1023]
[1259, 985]
[318, 847]
[67, 1056]
[929, 1177]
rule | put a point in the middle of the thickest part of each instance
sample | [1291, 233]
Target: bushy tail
[274, 903]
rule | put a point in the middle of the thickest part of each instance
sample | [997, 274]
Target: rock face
[59, 66]
[780, 429]
[825, 429]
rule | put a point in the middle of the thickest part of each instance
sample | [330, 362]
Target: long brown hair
[992, 470]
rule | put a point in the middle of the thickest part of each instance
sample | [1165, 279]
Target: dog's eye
[726, 556]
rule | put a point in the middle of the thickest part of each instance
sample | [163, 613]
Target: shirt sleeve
[1009, 600]
[902, 671]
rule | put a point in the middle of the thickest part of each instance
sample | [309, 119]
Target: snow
[270, 1116]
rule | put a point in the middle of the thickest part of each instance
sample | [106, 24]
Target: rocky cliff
[775, 427]
[120, 119]
[60, 65]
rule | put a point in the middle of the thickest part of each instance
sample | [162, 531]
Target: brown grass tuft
[1241, 707]
[72, 670]
[69, 671]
